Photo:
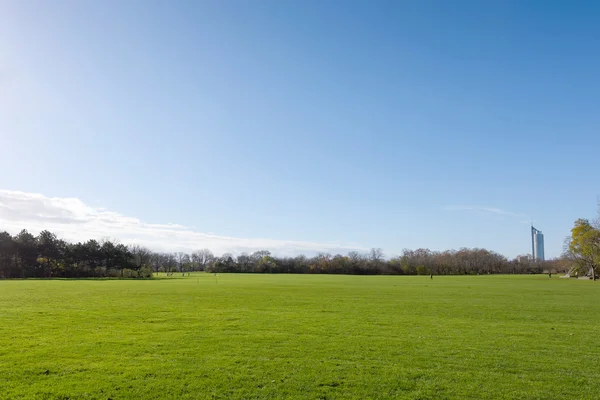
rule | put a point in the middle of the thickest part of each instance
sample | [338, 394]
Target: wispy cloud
[72, 219]
[488, 210]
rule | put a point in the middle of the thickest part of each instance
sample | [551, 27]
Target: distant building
[537, 245]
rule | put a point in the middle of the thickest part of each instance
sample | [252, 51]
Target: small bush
[146, 272]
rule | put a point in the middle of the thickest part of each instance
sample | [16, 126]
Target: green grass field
[307, 337]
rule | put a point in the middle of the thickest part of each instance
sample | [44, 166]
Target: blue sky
[321, 125]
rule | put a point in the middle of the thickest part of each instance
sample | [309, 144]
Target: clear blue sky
[399, 124]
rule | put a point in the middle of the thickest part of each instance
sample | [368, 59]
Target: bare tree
[376, 255]
[244, 262]
[156, 262]
[183, 261]
[202, 258]
[141, 256]
[596, 222]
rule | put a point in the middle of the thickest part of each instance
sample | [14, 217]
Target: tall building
[537, 244]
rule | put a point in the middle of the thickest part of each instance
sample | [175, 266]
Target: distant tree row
[46, 256]
[411, 262]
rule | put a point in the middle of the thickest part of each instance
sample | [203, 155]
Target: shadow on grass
[104, 278]
[101, 278]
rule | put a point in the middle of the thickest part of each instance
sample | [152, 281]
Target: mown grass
[307, 337]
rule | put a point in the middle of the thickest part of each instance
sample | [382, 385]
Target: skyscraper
[537, 244]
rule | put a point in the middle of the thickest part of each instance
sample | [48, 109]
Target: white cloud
[72, 219]
[489, 210]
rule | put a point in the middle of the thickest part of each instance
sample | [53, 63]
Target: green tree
[7, 255]
[122, 259]
[92, 255]
[48, 254]
[584, 246]
[64, 262]
[109, 255]
[26, 257]
[79, 257]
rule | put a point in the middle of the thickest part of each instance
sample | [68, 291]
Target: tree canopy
[584, 247]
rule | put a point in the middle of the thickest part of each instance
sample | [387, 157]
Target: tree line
[46, 256]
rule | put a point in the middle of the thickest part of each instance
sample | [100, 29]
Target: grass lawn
[300, 336]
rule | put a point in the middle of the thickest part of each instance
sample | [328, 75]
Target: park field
[300, 337]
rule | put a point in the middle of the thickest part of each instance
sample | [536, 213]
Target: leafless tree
[141, 256]
[202, 258]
